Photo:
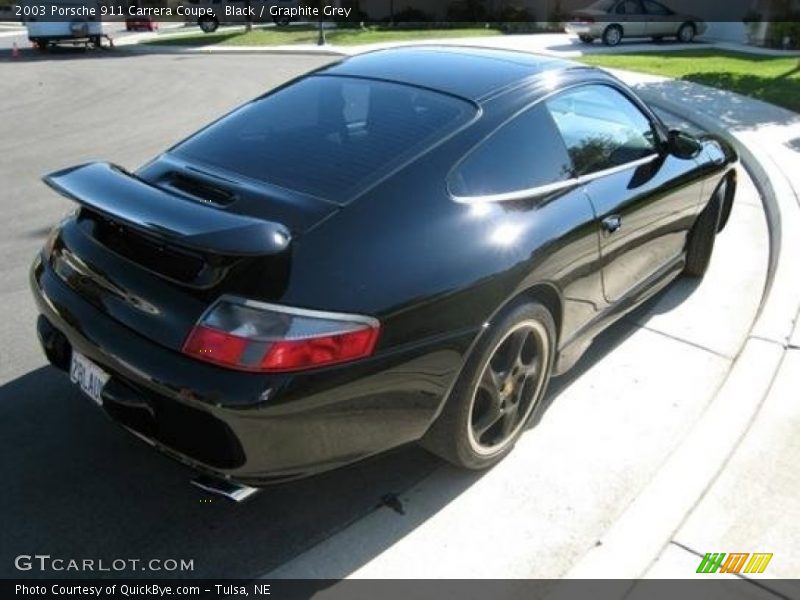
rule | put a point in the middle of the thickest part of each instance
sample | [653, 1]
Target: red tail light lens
[253, 336]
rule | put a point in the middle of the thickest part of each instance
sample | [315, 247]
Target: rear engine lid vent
[201, 190]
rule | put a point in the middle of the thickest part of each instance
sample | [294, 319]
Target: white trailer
[51, 22]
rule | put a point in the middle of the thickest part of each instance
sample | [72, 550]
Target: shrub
[411, 15]
[467, 11]
[786, 30]
[517, 14]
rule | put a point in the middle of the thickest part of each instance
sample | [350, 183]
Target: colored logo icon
[736, 562]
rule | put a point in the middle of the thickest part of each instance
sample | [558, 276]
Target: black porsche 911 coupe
[402, 246]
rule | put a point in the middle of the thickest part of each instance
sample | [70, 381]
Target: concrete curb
[144, 48]
[512, 42]
[635, 540]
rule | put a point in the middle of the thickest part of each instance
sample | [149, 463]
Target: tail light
[253, 336]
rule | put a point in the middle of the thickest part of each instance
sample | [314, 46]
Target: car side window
[601, 128]
[654, 8]
[525, 153]
[629, 7]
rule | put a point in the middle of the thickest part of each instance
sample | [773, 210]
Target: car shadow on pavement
[625, 46]
[78, 486]
[85, 488]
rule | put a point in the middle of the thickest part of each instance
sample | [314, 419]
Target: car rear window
[328, 136]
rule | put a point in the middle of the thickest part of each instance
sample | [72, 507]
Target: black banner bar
[712, 587]
[401, 12]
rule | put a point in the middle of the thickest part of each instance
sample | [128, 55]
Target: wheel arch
[546, 293]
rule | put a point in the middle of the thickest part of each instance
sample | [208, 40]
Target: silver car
[261, 10]
[613, 20]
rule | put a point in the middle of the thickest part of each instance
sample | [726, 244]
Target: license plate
[89, 377]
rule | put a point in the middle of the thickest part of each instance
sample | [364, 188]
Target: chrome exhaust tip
[222, 487]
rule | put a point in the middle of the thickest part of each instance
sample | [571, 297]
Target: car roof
[472, 73]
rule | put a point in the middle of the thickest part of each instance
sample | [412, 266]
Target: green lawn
[298, 35]
[772, 79]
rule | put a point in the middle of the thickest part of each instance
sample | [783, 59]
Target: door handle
[612, 224]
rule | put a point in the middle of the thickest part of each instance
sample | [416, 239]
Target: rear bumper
[253, 428]
[582, 29]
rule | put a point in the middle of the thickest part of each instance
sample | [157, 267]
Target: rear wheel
[700, 245]
[686, 33]
[208, 24]
[499, 389]
[612, 36]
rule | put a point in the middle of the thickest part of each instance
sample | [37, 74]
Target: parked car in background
[613, 20]
[44, 32]
[140, 23]
[210, 24]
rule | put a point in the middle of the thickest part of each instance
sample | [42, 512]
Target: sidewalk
[730, 486]
[752, 503]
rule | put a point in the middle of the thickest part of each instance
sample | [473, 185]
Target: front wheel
[282, 21]
[498, 390]
[586, 39]
[703, 234]
[612, 36]
[208, 24]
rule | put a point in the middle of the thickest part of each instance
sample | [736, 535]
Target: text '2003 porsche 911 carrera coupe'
[400, 247]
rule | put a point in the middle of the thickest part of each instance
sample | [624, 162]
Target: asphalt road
[77, 486]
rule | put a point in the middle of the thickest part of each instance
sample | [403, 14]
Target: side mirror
[682, 144]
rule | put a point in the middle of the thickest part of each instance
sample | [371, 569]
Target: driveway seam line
[681, 340]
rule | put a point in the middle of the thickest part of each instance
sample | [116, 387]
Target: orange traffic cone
[14, 51]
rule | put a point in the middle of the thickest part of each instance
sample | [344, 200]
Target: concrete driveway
[83, 486]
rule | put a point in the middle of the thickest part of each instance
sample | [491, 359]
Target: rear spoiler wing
[123, 197]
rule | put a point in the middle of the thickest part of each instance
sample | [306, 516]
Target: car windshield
[328, 136]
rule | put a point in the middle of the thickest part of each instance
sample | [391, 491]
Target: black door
[643, 198]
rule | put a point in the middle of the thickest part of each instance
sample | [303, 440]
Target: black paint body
[433, 270]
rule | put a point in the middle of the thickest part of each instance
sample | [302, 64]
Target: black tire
[478, 427]
[686, 33]
[208, 24]
[282, 21]
[586, 39]
[613, 35]
[700, 245]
